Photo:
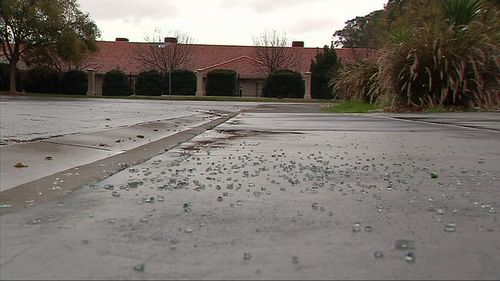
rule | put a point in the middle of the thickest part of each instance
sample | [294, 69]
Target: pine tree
[323, 69]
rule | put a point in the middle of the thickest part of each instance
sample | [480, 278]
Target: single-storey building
[123, 55]
[201, 59]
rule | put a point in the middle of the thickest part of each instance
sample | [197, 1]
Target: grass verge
[175, 98]
[352, 107]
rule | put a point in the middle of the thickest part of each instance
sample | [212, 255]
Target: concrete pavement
[52, 138]
[280, 196]
[26, 118]
[49, 156]
[54, 185]
[486, 121]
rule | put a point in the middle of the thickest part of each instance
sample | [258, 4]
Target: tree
[408, 14]
[165, 56]
[29, 26]
[274, 52]
[71, 51]
[362, 32]
[399, 18]
[323, 69]
[378, 27]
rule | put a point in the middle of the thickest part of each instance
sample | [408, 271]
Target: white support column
[307, 86]
[200, 91]
[91, 82]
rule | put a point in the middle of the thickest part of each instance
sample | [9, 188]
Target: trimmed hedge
[284, 84]
[152, 83]
[149, 83]
[74, 82]
[221, 83]
[183, 82]
[46, 80]
[4, 77]
[42, 80]
[115, 83]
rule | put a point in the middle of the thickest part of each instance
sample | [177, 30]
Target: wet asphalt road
[33, 118]
[280, 196]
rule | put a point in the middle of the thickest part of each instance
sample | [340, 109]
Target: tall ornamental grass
[357, 81]
[442, 68]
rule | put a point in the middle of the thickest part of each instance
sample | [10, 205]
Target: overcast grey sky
[232, 22]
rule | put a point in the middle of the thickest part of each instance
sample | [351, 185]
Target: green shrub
[284, 84]
[221, 83]
[323, 68]
[42, 80]
[152, 83]
[357, 81]
[116, 83]
[74, 82]
[183, 82]
[149, 83]
[4, 77]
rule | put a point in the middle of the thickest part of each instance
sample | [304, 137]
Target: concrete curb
[62, 183]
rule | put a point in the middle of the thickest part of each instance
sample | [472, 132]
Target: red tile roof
[246, 67]
[123, 55]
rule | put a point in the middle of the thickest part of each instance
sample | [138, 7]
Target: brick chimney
[298, 44]
[172, 40]
[121, 39]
